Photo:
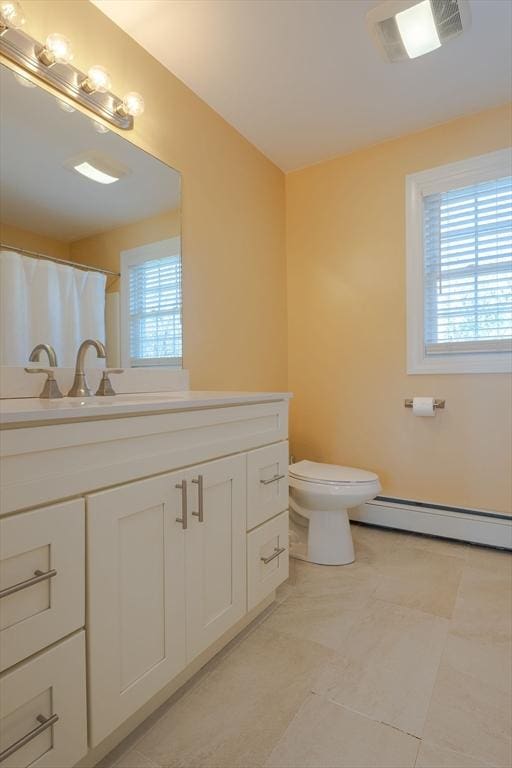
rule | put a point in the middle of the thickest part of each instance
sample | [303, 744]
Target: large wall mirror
[90, 237]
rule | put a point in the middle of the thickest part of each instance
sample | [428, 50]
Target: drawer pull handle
[184, 510]
[200, 498]
[277, 551]
[273, 479]
[36, 578]
[45, 723]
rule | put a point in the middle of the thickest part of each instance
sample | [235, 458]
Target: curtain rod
[35, 255]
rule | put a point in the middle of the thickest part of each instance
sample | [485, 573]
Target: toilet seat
[330, 474]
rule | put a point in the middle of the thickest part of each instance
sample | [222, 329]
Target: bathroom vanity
[139, 534]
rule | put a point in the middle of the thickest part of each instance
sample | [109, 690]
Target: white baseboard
[478, 528]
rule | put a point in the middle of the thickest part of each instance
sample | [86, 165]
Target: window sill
[466, 363]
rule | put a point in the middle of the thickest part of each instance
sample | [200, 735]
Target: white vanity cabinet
[166, 578]
[181, 511]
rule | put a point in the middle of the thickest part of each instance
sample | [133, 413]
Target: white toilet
[320, 495]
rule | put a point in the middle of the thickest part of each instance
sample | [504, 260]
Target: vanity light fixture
[11, 15]
[51, 63]
[407, 29]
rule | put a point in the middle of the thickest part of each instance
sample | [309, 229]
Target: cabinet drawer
[41, 579]
[49, 687]
[267, 559]
[267, 483]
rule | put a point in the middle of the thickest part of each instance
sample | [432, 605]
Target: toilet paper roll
[423, 406]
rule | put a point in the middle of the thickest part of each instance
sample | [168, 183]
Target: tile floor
[401, 660]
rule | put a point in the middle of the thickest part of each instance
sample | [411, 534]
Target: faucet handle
[51, 389]
[105, 386]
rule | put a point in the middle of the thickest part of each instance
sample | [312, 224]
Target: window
[151, 332]
[459, 266]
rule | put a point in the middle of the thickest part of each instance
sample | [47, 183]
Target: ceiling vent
[406, 29]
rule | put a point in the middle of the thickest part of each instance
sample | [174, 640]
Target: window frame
[437, 180]
[132, 257]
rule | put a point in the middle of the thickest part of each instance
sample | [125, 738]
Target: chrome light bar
[29, 54]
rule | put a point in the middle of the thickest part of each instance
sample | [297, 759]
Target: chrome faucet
[80, 388]
[35, 355]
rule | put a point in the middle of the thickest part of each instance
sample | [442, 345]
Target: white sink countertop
[29, 410]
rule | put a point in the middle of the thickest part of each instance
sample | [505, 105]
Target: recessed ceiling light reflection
[93, 173]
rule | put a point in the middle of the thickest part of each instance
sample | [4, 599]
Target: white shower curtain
[45, 302]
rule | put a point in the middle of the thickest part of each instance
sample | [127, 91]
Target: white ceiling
[302, 80]
[41, 195]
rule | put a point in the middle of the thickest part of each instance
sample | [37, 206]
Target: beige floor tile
[470, 716]
[318, 580]
[432, 756]
[134, 759]
[325, 735]
[484, 605]
[485, 660]
[418, 578]
[370, 542]
[389, 665]
[495, 560]
[324, 619]
[377, 538]
[239, 712]
[439, 546]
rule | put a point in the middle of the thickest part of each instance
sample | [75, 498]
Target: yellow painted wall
[32, 241]
[234, 286]
[347, 329]
[103, 250]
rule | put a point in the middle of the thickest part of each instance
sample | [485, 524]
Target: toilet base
[324, 538]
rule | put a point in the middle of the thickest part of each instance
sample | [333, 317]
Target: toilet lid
[330, 473]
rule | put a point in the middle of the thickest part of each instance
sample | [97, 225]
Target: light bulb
[11, 14]
[24, 81]
[97, 81]
[57, 50]
[133, 104]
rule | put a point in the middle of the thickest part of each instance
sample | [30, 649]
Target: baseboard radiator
[492, 529]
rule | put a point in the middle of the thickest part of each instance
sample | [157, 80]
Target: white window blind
[467, 264]
[154, 310]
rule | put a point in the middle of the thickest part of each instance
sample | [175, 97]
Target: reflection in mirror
[90, 237]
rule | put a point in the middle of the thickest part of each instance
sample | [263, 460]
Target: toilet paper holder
[438, 404]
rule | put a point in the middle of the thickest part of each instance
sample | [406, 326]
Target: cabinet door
[215, 551]
[136, 606]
